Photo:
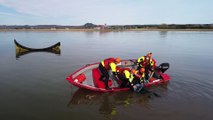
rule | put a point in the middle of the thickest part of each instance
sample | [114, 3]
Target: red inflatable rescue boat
[88, 77]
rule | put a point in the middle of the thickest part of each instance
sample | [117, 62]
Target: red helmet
[149, 55]
[117, 60]
[142, 70]
[133, 71]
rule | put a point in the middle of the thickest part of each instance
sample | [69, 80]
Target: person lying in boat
[148, 63]
[105, 66]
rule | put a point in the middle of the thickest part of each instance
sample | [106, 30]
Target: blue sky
[110, 12]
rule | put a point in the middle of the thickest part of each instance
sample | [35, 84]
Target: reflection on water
[163, 33]
[21, 53]
[108, 104]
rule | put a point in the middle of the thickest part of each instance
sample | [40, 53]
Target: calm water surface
[33, 86]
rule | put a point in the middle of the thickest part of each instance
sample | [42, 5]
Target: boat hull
[22, 50]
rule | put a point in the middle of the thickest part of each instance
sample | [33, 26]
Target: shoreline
[105, 30]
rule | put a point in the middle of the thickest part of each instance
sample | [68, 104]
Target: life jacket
[125, 72]
[139, 75]
[152, 63]
[128, 75]
[144, 62]
[106, 63]
[141, 59]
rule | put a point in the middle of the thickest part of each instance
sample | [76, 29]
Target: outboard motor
[163, 67]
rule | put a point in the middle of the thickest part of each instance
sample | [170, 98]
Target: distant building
[52, 28]
[101, 27]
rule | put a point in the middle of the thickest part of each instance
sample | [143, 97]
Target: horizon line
[106, 24]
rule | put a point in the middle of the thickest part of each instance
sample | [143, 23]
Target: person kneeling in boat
[148, 63]
[105, 66]
[124, 75]
[136, 84]
[132, 79]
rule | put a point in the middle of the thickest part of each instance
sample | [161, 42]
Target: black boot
[101, 78]
[106, 85]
